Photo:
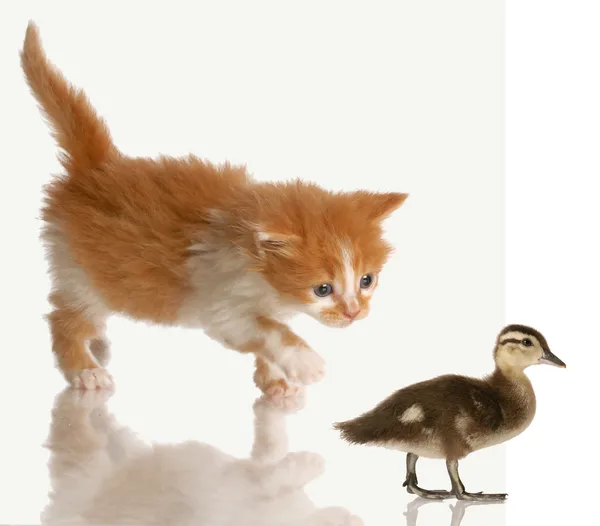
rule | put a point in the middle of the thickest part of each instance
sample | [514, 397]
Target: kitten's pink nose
[351, 314]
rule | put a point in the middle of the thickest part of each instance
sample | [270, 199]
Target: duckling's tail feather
[345, 429]
[355, 431]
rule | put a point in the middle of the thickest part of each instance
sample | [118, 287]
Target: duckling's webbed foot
[428, 494]
[458, 488]
[411, 483]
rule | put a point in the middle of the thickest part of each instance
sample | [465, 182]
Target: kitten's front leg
[290, 352]
[283, 359]
[272, 381]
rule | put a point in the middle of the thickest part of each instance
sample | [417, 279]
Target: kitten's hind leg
[100, 349]
[71, 329]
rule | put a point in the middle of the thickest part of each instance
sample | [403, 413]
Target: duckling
[451, 416]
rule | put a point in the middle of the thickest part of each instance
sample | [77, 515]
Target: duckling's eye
[527, 342]
[325, 289]
[366, 281]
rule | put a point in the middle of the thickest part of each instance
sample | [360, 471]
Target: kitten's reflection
[103, 474]
[458, 510]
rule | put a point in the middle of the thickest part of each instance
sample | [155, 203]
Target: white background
[400, 95]
[552, 250]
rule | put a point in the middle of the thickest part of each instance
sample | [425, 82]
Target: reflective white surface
[170, 426]
[103, 472]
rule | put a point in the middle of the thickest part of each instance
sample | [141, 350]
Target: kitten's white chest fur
[226, 297]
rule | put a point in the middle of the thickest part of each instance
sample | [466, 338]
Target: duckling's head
[519, 346]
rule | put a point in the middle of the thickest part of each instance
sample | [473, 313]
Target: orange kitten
[185, 242]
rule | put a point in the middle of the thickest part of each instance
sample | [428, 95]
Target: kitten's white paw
[336, 517]
[267, 403]
[92, 379]
[302, 365]
[286, 397]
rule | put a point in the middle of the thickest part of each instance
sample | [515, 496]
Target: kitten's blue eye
[325, 289]
[366, 281]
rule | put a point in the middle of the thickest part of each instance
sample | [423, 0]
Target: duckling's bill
[549, 358]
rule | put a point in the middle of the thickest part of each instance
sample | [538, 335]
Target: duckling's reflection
[458, 510]
[102, 473]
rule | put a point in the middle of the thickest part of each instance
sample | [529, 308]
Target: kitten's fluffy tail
[79, 131]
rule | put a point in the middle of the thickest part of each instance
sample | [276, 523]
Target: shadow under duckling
[451, 416]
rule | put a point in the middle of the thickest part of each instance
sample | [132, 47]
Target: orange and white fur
[103, 473]
[180, 241]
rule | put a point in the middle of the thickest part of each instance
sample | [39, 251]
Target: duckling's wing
[482, 404]
[385, 420]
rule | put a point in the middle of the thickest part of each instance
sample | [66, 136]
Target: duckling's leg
[411, 483]
[458, 488]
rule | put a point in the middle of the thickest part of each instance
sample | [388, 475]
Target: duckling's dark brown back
[436, 404]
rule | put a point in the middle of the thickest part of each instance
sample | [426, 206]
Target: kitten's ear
[275, 243]
[379, 206]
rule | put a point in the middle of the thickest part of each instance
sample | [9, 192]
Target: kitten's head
[323, 250]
